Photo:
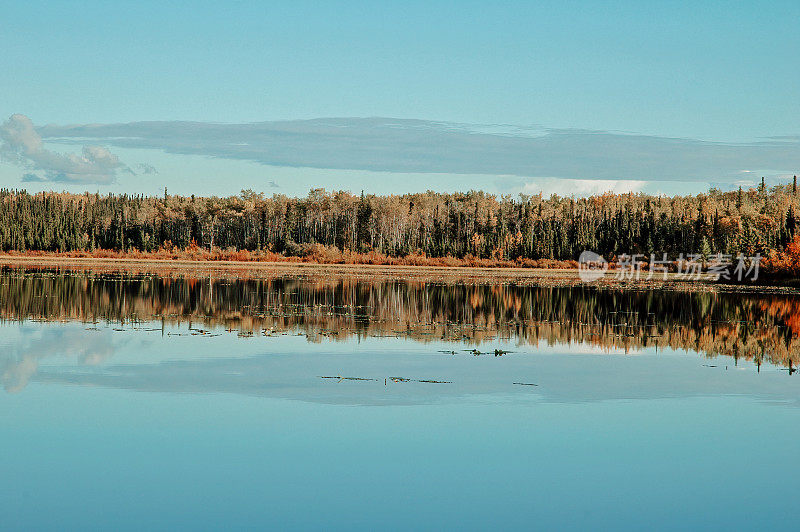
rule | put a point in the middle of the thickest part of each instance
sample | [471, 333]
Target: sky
[508, 97]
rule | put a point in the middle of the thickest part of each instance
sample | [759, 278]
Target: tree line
[471, 224]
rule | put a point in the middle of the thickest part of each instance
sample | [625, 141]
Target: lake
[146, 401]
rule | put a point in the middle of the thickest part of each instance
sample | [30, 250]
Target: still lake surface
[142, 401]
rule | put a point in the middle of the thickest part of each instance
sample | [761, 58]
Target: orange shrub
[784, 263]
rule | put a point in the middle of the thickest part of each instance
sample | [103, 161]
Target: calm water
[138, 401]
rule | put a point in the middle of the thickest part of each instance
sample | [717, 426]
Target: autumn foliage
[312, 253]
[432, 229]
[784, 264]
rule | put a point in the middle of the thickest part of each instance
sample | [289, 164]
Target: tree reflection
[756, 327]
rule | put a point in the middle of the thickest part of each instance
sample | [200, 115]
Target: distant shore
[424, 273]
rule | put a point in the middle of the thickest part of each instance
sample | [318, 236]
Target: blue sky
[719, 72]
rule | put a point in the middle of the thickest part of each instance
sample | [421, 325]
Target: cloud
[21, 362]
[420, 146]
[22, 145]
[147, 169]
[582, 187]
[584, 376]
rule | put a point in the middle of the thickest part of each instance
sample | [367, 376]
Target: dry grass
[313, 253]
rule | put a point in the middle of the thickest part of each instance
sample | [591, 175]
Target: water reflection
[757, 327]
[21, 360]
[255, 414]
[372, 371]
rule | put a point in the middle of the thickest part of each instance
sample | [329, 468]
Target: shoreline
[448, 274]
[282, 266]
[318, 271]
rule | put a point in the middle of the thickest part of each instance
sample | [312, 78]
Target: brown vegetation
[309, 253]
[784, 264]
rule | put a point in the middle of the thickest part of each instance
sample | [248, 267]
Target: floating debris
[340, 378]
[429, 381]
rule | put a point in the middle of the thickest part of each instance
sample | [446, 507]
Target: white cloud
[582, 187]
[21, 362]
[22, 145]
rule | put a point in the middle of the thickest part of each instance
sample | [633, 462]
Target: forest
[447, 225]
